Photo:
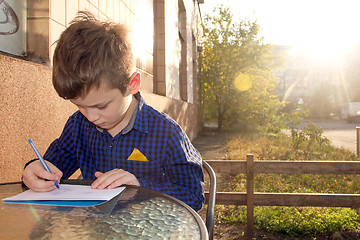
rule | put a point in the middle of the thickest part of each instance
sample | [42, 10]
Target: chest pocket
[136, 155]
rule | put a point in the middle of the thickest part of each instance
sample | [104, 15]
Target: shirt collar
[141, 115]
[131, 123]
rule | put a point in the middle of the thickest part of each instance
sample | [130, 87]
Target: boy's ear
[134, 83]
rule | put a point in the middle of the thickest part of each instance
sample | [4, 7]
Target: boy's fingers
[55, 170]
[128, 179]
[43, 174]
[114, 178]
[54, 175]
[100, 178]
[38, 184]
[98, 174]
[38, 179]
[44, 187]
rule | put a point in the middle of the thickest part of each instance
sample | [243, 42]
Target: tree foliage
[236, 75]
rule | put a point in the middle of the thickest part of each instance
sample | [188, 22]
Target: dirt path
[210, 144]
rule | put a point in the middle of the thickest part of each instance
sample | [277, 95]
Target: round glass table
[138, 213]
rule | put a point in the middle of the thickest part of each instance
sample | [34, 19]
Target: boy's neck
[125, 120]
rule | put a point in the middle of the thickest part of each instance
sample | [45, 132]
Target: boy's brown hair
[90, 53]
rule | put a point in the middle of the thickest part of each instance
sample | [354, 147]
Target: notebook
[67, 195]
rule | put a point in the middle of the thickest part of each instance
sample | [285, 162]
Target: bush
[306, 221]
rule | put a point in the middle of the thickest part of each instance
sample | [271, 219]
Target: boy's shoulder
[77, 115]
[159, 123]
[153, 114]
[77, 118]
[147, 112]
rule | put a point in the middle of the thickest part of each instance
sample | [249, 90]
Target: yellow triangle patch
[136, 155]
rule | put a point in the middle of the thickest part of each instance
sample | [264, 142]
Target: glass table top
[138, 213]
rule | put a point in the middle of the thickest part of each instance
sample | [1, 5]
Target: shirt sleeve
[183, 175]
[61, 151]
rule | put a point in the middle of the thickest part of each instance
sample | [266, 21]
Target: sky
[318, 25]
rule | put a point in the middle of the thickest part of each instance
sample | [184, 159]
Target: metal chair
[210, 211]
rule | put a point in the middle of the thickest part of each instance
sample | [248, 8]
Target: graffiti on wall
[9, 22]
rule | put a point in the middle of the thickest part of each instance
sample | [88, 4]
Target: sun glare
[322, 28]
[323, 49]
[243, 82]
[329, 33]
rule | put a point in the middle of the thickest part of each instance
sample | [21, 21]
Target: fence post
[249, 232]
[358, 140]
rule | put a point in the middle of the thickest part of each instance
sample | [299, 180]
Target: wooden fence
[251, 199]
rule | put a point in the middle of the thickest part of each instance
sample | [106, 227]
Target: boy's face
[103, 106]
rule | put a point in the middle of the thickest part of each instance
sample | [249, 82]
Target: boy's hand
[113, 179]
[38, 179]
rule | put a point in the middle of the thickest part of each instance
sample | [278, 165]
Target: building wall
[172, 48]
[30, 108]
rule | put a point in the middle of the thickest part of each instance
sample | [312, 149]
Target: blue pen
[43, 163]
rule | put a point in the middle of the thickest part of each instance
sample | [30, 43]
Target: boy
[114, 138]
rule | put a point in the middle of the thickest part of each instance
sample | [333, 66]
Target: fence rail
[251, 199]
[287, 167]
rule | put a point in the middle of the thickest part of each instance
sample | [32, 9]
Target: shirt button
[111, 145]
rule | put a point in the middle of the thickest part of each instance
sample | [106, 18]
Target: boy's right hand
[38, 179]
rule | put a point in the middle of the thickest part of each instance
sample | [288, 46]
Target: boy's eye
[102, 107]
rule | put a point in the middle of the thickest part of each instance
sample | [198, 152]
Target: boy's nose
[92, 115]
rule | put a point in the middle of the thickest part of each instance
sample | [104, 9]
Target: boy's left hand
[113, 179]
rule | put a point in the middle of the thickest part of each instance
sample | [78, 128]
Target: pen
[43, 163]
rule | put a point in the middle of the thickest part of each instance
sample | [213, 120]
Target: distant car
[329, 115]
[351, 112]
[333, 116]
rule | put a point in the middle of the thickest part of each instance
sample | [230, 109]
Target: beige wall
[30, 108]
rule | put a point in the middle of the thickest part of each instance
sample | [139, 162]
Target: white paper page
[68, 192]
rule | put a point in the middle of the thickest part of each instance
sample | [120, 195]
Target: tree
[323, 102]
[352, 76]
[236, 74]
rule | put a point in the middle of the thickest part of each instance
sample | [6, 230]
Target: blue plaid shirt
[173, 166]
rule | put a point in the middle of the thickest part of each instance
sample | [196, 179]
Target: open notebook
[67, 195]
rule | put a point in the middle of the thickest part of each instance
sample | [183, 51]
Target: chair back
[210, 212]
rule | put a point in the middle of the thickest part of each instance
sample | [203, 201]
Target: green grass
[293, 221]
[298, 222]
